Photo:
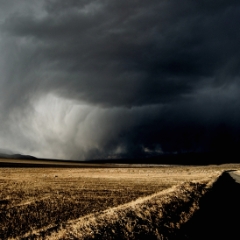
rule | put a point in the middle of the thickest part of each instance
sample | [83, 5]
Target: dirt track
[218, 214]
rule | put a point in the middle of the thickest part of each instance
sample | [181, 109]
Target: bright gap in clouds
[49, 127]
[66, 129]
[57, 123]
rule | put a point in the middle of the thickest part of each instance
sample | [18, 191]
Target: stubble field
[38, 199]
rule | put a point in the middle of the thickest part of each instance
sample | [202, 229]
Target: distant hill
[190, 158]
[16, 156]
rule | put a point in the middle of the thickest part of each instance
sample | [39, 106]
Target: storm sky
[89, 79]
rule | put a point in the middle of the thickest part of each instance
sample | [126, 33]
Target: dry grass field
[38, 199]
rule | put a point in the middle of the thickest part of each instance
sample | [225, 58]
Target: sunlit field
[34, 199]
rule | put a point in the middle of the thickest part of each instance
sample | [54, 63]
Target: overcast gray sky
[97, 79]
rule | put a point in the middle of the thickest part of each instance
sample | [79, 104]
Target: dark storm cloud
[150, 65]
[121, 53]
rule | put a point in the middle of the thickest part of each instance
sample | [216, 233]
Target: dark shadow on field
[219, 214]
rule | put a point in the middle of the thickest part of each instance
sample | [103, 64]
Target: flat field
[34, 199]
